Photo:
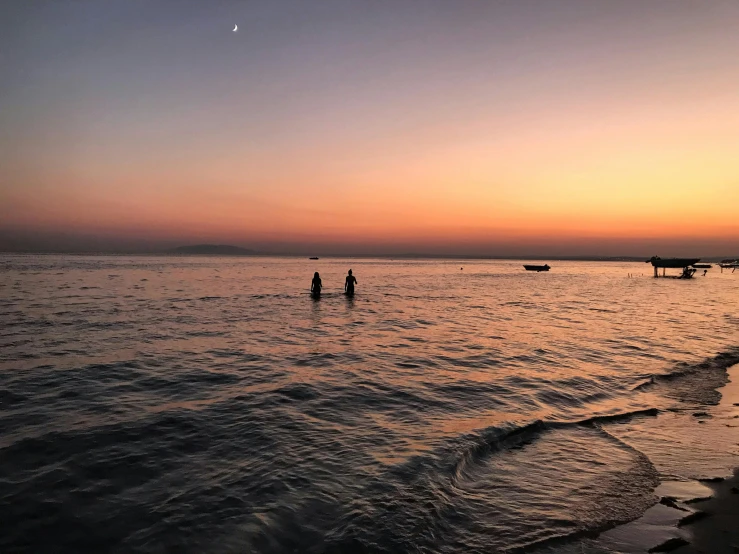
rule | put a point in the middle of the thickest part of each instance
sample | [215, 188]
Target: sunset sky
[470, 127]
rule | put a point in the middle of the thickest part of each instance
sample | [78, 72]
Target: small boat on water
[313, 258]
[702, 266]
[529, 267]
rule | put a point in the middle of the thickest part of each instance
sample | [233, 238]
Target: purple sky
[557, 127]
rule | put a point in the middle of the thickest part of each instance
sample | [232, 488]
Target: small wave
[493, 439]
[298, 391]
[693, 383]
[651, 412]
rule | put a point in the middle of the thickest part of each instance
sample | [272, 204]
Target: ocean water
[198, 404]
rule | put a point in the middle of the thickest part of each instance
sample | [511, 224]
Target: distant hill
[214, 249]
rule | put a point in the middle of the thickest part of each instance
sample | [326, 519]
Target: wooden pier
[675, 263]
[729, 264]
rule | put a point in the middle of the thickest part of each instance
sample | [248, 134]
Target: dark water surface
[210, 405]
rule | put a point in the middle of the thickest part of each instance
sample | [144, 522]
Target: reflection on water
[210, 404]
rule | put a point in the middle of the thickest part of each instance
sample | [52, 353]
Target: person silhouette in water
[349, 284]
[315, 285]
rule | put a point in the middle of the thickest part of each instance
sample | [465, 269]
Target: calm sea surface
[188, 404]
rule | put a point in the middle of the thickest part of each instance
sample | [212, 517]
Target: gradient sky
[494, 127]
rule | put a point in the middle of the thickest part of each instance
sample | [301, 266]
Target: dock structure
[729, 264]
[674, 263]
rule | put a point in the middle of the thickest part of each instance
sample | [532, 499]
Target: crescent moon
[236, 28]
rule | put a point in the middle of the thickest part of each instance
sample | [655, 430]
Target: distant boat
[702, 266]
[656, 261]
[313, 258]
[544, 267]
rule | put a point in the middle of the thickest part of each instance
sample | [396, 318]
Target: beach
[690, 515]
[206, 404]
[717, 532]
[369, 277]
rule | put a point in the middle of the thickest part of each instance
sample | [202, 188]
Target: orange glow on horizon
[565, 136]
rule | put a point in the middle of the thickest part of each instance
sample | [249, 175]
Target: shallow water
[211, 405]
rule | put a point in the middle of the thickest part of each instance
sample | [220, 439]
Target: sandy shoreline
[693, 516]
[712, 525]
[716, 532]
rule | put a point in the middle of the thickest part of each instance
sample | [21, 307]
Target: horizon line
[405, 256]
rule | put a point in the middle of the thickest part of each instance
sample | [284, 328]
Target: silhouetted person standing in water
[349, 284]
[315, 285]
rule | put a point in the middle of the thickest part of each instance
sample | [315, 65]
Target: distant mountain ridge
[214, 249]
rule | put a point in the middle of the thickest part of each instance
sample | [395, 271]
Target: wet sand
[712, 527]
[690, 517]
[718, 531]
[693, 516]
